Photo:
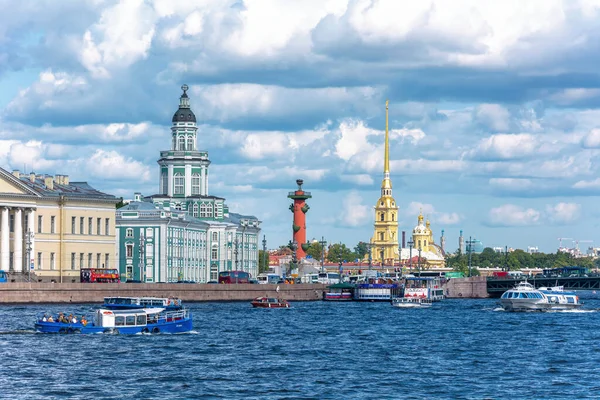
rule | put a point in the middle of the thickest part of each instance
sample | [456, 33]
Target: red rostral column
[299, 208]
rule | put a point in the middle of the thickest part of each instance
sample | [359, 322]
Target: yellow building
[384, 244]
[54, 226]
[430, 254]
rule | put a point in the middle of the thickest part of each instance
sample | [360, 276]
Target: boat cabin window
[119, 320]
[130, 320]
[141, 320]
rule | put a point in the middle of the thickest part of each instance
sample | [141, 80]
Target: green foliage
[339, 252]
[515, 260]
[120, 204]
[295, 227]
[361, 250]
[263, 261]
[315, 250]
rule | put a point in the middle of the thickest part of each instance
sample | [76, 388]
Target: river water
[459, 349]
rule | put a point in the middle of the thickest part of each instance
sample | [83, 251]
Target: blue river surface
[458, 349]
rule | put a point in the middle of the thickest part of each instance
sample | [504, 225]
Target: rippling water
[461, 349]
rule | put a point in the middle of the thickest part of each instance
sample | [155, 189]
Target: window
[382, 217]
[215, 236]
[98, 226]
[419, 245]
[392, 217]
[214, 272]
[39, 230]
[10, 261]
[106, 258]
[129, 251]
[214, 254]
[81, 219]
[72, 261]
[81, 260]
[178, 182]
[425, 243]
[90, 230]
[39, 260]
[129, 233]
[195, 184]
[97, 260]
[190, 143]
[381, 236]
[164, 183]
[73, 219]
[52, 224]
[107, 226]
[12, 222]
[181, 143]
[203, 210]
[195, 210]
[209, 210]
[52, 260]
[149, 232]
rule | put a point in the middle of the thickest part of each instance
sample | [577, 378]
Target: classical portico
[17, 223]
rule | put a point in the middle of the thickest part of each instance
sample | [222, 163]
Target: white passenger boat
[420, 292]
[525, 297]
[411, 302]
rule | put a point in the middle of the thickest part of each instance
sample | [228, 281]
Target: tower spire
[386, 164]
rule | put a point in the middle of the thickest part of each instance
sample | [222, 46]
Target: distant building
[183, 232]
[54, 226]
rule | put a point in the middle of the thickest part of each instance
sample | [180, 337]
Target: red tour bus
[234, 277]
[99, 275]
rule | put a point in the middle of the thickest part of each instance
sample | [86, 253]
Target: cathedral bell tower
[384, 245]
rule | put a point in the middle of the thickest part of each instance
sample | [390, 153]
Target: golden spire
[386, 164]
[386, 184]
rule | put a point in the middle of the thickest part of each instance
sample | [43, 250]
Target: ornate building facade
[423, 253]
[52, 227]
[384, 244]
[183, 233]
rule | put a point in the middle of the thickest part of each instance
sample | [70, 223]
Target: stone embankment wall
[25, 292]
[474, 287]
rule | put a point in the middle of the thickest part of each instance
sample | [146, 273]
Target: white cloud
[358, 179]
[592, 139]
[513, 215]
[563, 213]
[428, 210]
[584, 184]
[511, 183]
[493, 116]
[112, 165]
[353, 212]
[506, 147]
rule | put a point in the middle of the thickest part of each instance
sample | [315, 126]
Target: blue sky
[494, 107]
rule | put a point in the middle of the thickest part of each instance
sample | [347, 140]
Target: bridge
[497, 286]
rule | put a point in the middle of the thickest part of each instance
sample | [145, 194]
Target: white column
[188, 180]
[170, 180]
[31, 228]
[4, 242]
[202, 179]
[18, 241]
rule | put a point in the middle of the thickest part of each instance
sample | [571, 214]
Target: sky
[494, 108]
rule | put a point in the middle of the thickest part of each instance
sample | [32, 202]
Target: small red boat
[269, 302]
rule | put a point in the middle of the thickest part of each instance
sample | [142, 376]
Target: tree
[315, 250]
[339, 252]
[263, 261]
[120, 204]
[361, 250]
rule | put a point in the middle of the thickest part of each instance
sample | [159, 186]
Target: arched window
[215, 236]
[178, 183]
[382, 217]
[392, 217]
[178, 206]
[381, 236]
[425, 243]
[195, 183]
[203, 210]
[129, 233]
[195, 208]
[419, 244]
[209, 210]
[181, 143]
[190, 143]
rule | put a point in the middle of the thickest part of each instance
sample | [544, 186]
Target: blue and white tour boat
[525, 297]
[135, 321]
[128, 303]
[420, 292]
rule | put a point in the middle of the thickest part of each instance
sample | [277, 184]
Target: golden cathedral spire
[386, 184]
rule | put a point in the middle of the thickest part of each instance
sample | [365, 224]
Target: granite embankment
[24, 292]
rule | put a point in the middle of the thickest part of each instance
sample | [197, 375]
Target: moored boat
[419, 292]
[339, 292]
[146, 320]
[411, 302]
[128, 303]
[525, 297]
[269, 302]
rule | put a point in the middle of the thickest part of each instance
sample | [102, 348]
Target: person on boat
[83, 320]
[74, 319]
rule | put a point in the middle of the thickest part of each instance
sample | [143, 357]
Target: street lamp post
[323, 243]
[264, 243]
[469, 250]
[419, 261]
[505, 258]
[235, 252]
[381, 250]
[369, 246]
[410, 247]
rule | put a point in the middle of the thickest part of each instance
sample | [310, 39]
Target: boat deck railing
[170, 316]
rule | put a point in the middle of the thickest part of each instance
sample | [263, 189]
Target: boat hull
[273, 305]
[524, 305]
[176, 326]
[405, 302]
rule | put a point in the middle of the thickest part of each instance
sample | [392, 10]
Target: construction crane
[582, 241]
[560, 241]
